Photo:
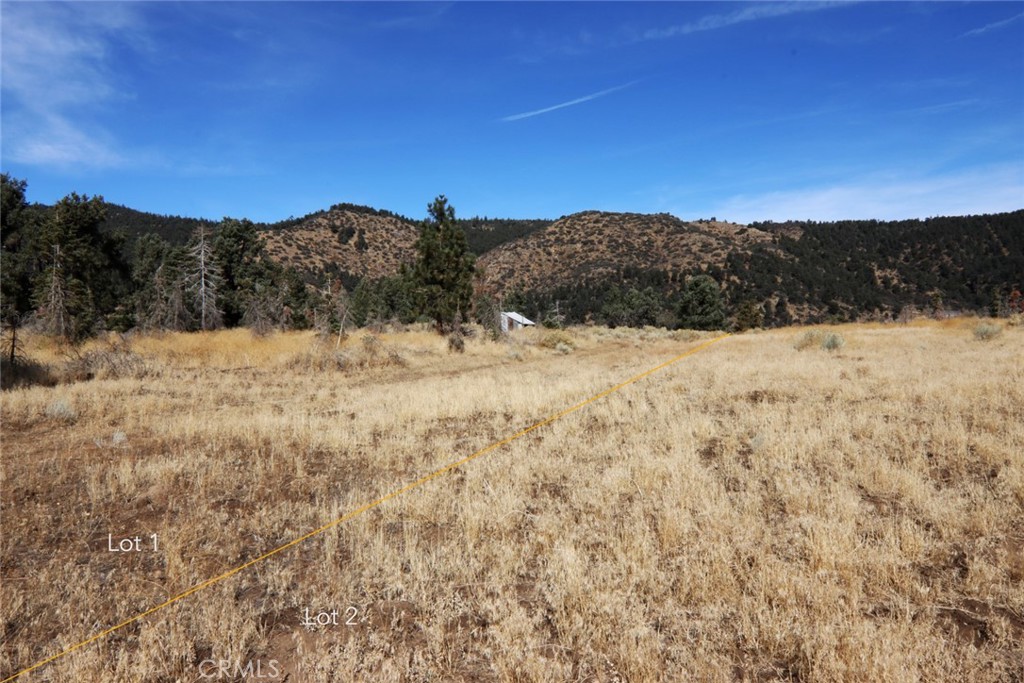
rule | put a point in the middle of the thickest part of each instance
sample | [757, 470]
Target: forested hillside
[84, 265]
[485, 234]
[802, 272]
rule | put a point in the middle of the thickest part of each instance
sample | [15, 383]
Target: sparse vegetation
[738, 516]
[557, 338]
[828, 341]
[832, 341]
[808, 339]
[60, 409]
[987, 331]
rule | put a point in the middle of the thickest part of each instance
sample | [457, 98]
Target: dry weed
[751, 513]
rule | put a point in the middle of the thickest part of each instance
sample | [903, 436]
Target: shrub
[115, 360]
[456, 342]
[556, 338]
[60, 409]
[987, 331]
[807, 340]
[371, 345]
[832, 342]
[319, 361]
[684, 335]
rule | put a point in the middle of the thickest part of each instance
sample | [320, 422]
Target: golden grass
[753, 513]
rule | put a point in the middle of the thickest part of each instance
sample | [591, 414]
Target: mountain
[346, 242]
[352, 242]
[484, 234]
[594, 245]
[133, 224]
[792, 271]
[856, 268]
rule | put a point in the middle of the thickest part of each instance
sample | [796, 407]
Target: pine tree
[241, 258]
[700, 307]
[83, 275]
[749, 315]
[443, 274]
[16, 258]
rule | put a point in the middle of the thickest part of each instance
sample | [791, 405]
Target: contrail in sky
[579, 100]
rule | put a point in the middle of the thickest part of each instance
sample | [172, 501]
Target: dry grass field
[756, 512]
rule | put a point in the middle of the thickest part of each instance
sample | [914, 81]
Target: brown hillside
[593, 244]
[362, 244]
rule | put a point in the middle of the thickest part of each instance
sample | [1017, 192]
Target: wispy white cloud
[55, 141]
[570, 103]
[993, 26]
[418, 16]
[543, 45]
[755, 12]
[944, 106]
[55, 74]
[888, 196]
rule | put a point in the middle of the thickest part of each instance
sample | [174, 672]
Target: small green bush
[987, 331]
[832, 342]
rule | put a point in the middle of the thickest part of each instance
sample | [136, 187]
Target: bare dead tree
[203, 281]
[335, 313]
[265, 310]
[54, 312]
[169, 310]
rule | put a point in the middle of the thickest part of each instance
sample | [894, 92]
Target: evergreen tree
[83, 274]
[16, 257]
[700, 306]
[243, 263]
[632, 308]
[749, 315]
[443, 274]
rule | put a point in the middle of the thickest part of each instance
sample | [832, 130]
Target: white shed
[514, 321]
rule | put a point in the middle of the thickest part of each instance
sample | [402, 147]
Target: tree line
[65, 276]
[67, 273]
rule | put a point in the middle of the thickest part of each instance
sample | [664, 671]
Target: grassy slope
[755, 512]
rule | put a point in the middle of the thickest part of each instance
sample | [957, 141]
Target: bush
[318, 361]
[833, 342]
[456, 342]
[115, 360]
[987, 331]
[60, 409]
[556, 338]
[684, 335]
[830, 341]
[808, 339]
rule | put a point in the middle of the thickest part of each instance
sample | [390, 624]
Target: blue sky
[743, 111]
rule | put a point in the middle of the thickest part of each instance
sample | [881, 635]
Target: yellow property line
[369, 506]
